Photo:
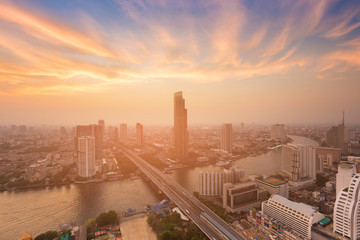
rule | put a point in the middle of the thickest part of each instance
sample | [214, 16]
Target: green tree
[90, 223]
[49, 235]
[106, 218]
[194, 233]
[321, 180]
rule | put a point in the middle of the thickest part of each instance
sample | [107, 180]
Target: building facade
[300, 217]
[91, 130]
[299, 162]
[139, 134]
[328, 155]
[335, 136]
[226, 137]
[211, 183]
[86, 156]
[274, 186]
[240, 196]
[123, 133]
[344, 175]
[278, 132]
[347, 210]
[180, 130]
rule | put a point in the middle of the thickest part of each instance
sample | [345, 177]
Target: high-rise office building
[111, 133]
[347, 210]
[101, 123]
[278, 132]
[335, 137]
[116, 134]
[226, 137]
[299, 162]
[91, 130]
[139, 134]
[123, 133]
[86, 156]
[299, 216]
[180, 131]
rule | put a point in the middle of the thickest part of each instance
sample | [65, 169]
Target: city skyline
[68, 62]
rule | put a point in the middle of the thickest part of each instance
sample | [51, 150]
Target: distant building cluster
[50, 166]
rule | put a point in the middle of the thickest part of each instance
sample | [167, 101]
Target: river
[39, 210]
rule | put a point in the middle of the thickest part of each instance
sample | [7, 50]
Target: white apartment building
[211, 183]
[347, 210]
[86, 156]
[343, 178]
[299, 162]
[299, 216]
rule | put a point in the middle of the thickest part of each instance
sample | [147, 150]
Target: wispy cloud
[203, 41]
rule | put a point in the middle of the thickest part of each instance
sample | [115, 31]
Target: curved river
[39, 210]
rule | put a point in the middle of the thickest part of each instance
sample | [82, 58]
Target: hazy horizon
[74, 62]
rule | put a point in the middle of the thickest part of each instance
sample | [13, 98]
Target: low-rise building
[239, 197]
[274, 186]
[299, 216]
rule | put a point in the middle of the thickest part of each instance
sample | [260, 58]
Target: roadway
[190, 205]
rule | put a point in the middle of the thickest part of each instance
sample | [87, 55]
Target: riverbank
[135, 227]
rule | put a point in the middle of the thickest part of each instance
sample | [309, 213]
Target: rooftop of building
[240, 185]
[25, 236]
[273, 181]
[300, 207]
[346, 165]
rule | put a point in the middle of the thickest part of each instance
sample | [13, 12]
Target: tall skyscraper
[86, 156]
[139, 134]
[91, 130]
[226, 137]
[347, 210]
[116, 134]
[123, 133]
[101, 123]
[335, 137]
[278, 132]
[180, 131]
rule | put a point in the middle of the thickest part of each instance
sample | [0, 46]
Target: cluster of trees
[218, 210]
[125, 165]
[321, 180]
[51, 235]
[61, 175]
[107, 218]
[156, 162]
[41, 149]
[171, 228]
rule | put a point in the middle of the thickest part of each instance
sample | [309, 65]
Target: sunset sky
[77, 61]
